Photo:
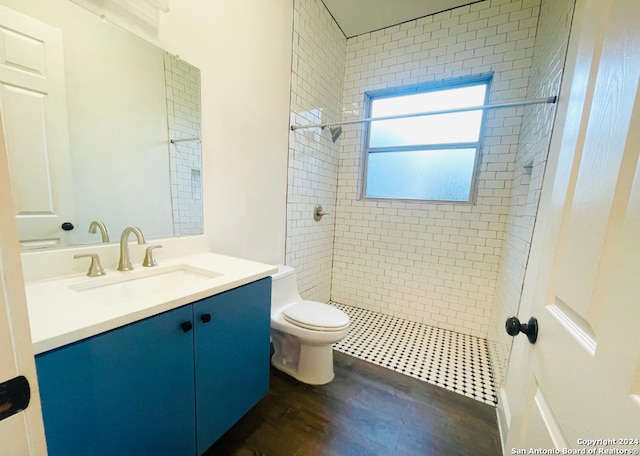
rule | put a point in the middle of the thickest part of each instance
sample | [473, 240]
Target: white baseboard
[503, 414]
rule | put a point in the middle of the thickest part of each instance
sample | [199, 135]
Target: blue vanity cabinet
[167, 385]
[231, 345]
[128, 391]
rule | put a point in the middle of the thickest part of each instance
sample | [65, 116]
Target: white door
[33, 106]
[580, 381]
[22, 433]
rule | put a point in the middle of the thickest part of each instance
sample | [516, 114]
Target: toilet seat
[316, 316]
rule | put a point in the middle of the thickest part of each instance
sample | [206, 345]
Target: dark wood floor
[366, 410]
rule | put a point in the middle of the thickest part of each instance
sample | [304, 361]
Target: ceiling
[356, 17]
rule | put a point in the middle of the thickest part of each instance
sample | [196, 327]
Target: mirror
[133, 116]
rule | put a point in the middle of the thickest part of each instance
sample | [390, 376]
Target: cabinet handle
[206, 318]
[186, 326]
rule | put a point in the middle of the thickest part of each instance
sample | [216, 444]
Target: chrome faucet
[103, 230]
[125, 259]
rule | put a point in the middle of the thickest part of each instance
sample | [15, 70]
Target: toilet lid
[316, 316]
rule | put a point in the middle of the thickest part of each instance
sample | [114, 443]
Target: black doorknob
[186, 326]
[14, 396]
[514, 327]
[67, 226]
[206, 318]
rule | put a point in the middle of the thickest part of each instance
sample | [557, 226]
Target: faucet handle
[95, 270]
[149, 260]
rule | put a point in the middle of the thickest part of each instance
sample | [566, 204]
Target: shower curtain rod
[512, 104]
[173, 141]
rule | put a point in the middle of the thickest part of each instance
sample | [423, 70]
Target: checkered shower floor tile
[457, 362]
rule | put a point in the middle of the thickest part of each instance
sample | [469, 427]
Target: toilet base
[314, 364]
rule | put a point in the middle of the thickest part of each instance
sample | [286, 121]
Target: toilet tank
[284, 287]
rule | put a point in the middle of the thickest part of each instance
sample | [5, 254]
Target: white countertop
[60, 315]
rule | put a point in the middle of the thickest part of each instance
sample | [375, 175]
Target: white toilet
[302, 331]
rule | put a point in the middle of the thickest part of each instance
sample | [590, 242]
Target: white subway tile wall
[183, 110]
[433, 263]
[546, 73]
[319, 50]
[453, 266]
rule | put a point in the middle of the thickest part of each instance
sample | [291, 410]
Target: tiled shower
[453, 267]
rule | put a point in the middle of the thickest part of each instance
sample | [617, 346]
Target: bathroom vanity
[190, 362]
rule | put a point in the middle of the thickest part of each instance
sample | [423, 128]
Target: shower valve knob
[318, 213]
[514, 327]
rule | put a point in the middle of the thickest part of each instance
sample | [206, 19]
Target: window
[428, 157]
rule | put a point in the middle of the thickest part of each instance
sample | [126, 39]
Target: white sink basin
[130, 285]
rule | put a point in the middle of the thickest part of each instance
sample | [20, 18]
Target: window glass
[436, 100]
[440, 129]
[421, 174]
[425, 157]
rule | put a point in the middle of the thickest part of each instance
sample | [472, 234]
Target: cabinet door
[232, 357]
[129, 391]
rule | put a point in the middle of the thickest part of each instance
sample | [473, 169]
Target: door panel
[591, 191]
[23, 433]
[22, 53]
[583, 282]
[232, 357]
[33, 104]
[541, 425]
[126, 392]
[33, 195]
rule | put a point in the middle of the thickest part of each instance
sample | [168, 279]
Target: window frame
[434, 86]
